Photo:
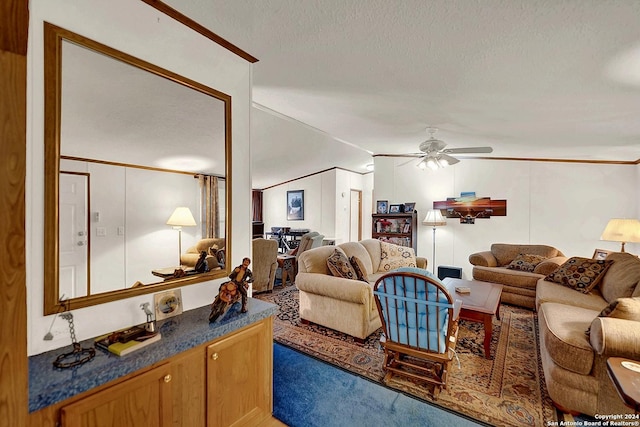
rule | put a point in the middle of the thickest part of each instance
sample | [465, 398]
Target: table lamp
[181, 217]
[622, 230]
[435, 219]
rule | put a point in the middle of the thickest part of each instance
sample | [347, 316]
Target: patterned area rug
[508, 390]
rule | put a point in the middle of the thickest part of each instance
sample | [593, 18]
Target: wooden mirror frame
[53, 38]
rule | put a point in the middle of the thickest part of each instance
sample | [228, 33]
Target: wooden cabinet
[224, 382]
[144, 400]
[239, 377]
[397, 228]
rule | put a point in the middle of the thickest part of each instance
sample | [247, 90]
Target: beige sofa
[574, 363]
[345, 305]
[519, 287]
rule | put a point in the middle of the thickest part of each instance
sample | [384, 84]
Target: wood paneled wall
[14, 15]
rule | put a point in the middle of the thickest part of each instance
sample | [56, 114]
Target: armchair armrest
[483, 259]
[611, 336]
[421, 262]
[355, 291]
[550, 265]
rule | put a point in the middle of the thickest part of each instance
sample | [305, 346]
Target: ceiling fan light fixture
[432, 163]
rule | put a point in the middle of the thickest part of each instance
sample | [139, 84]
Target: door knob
[214, 356]
[167, 378]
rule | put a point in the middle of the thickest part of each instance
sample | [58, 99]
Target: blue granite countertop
[49, 385]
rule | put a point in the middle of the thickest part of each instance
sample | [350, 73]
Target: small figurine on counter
[202, 266]
[242, 276]
[232, 291]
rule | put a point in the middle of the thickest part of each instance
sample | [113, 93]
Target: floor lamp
[181, 217]
[435, 219]
[622, 230]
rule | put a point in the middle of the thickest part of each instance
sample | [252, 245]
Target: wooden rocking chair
[420, 326]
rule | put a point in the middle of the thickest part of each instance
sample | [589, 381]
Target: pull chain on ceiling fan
[435, 155]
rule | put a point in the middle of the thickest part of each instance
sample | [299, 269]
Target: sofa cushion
[552, 292]
[525, 262]
[581, 274]
[356, 249]
[373, 248]
[359, 268]
[506, 252]
[622, 277]
[503, 275]
[395, 256]
[315, 260]
[340, 266]
[562, 328]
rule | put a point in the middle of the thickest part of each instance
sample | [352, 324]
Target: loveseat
[347, 304]
[579, 331]
[518, 278]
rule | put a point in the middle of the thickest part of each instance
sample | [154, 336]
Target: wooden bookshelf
[398, 228]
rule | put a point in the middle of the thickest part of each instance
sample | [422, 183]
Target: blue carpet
[308, 392]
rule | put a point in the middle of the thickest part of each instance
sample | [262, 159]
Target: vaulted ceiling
[543, 79]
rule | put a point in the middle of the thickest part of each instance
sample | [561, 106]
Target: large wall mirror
[129, 146]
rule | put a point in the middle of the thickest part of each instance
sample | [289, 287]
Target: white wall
[139, 30]
[566, 205]
[326, 198]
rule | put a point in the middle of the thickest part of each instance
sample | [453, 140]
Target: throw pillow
[359, 268]
[581, 274]
[340, 266]
[395, 256]
[525, 262]
[213, 250]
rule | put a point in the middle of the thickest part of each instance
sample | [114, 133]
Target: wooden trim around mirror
[53, 38]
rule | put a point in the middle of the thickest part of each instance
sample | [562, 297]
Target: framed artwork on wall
[382, 206]
[599, 254]
[295, 205]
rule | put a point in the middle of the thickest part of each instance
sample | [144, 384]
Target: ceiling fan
[435, 155]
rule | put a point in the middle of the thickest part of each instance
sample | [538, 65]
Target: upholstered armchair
[308, 241]
[264, 262]
[210, 246]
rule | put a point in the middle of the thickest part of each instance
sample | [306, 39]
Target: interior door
[74, 237]
[355, 223]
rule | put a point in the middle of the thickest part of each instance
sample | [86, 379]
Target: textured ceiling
[533, 79]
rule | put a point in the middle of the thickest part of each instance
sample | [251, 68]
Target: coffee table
[478, 306]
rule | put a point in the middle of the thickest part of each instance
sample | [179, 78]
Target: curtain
[256, 199]
[210, 206]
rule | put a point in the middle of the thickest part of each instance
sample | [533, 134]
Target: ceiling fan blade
[467, 150]
[450, 160]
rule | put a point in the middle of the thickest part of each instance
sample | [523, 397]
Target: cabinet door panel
[144, 400]
[189, 388]
[239, 377]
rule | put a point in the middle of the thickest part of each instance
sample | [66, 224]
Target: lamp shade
[622, 230]
[434, 218]
[181, 217]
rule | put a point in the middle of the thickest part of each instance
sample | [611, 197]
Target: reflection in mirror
[126, 143]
